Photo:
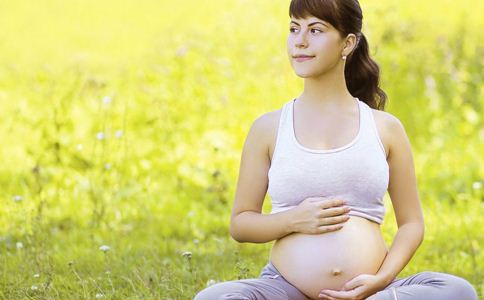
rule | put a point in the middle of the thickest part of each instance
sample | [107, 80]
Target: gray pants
[272, 286]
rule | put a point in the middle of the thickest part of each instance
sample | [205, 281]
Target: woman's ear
[350, 44]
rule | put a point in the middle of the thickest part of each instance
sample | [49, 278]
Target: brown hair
[361, 72]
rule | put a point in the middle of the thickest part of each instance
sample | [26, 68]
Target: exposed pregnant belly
[313, 262]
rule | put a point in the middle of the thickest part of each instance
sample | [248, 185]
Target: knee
[457, 287]
[207, 293]
[203, 295]
[224, 291]
[463, 288]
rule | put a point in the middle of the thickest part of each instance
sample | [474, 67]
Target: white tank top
[357, 172]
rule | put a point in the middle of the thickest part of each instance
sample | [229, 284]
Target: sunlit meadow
[122, 125]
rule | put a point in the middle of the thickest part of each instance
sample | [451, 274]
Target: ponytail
[362, 76]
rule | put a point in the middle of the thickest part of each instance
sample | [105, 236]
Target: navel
[336, 271]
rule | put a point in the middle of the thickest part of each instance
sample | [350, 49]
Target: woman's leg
[427, 286]
[269, 286]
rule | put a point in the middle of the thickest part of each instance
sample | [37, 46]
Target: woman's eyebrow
[317, 22]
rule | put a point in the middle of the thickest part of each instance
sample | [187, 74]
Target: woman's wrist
[385, 279]
[288, 221]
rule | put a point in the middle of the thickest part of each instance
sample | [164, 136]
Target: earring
[344, 57]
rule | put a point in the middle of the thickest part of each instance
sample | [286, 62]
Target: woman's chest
[359, 176]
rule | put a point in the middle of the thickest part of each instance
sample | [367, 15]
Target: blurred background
[122, 125]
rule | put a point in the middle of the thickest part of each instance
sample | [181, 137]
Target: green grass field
[122, 125]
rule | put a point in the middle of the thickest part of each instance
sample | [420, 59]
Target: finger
[339, 294]
[333, 220]
[328, 228]
[325, 203]
[335, 211]
[325, 297]
[353, 283]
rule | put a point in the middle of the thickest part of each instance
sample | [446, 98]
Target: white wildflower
[106, 99]
[104, 248]
[181, 51]
[98, 295]
[100, 136]
[477, 185]
[196, 241]
[187, 254]
[107, 166]
[36, 275]
[119, 134]
[17, 198]
[211, 282]
[19, 245]
[430, 82]
[34, 288]
[79, 147]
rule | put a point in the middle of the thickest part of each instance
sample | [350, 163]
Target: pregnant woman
[326, 159]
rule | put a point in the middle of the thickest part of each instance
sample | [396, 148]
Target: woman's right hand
[317, 215]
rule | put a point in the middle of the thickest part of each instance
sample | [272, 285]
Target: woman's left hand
[358, 288]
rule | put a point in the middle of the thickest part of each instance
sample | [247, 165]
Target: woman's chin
[304, 74]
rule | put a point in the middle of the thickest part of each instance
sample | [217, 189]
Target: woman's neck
[325, 91]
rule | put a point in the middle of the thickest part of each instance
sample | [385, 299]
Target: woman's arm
[247, 224]
[404, 196]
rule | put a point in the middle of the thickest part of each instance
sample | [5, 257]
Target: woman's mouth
[302, 58]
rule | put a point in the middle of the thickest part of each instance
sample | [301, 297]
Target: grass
[122, 125]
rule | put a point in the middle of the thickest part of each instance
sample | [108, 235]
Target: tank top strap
[283, 120]
[365, 121]
[283, 137]
[369, 128]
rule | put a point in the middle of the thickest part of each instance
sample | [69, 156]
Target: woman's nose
[300, 40]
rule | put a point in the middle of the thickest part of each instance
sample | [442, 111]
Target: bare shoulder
[268, 121]
[265, 127]
[390, 129]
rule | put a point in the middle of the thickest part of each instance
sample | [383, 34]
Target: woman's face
[315, 38]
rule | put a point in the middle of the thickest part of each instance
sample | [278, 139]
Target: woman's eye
[293, 29]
